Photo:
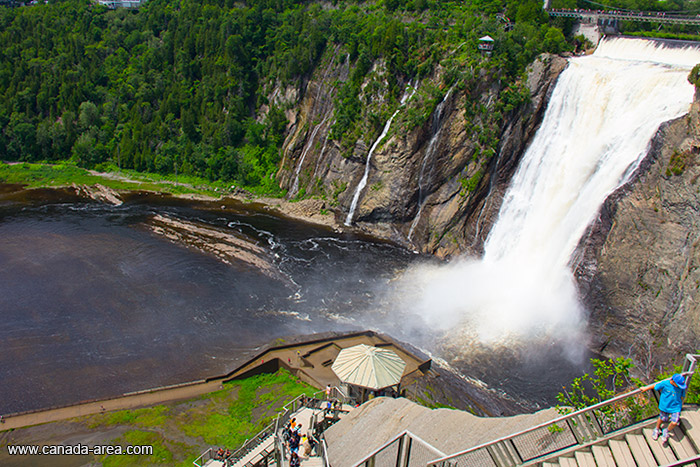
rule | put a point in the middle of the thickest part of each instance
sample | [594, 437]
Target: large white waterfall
[602, 115]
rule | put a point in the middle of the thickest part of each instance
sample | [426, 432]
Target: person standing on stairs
[671, 395]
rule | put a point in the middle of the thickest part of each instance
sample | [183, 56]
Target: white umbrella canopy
[369, 367]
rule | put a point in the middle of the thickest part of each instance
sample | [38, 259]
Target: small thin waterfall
[602, 115]
[363, 181]
[309, 143]
[436, 129]
[323, 150]
[295, 186]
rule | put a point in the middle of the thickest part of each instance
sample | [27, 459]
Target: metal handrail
[568, 418]
[689, 460]
[203, 457]
[324, 452]
[252, 443]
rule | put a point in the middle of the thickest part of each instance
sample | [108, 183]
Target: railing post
[399, 451]
[577, 436]
[689, 366]
[596, 423]
[493, 455]
[518, 458]
[407, 450]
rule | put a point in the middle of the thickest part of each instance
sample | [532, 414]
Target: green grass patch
[147, 418]
[224, 418]
[165, 452]
[259, 400]
[36, 175]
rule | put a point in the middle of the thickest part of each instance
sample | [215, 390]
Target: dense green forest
[178, 85]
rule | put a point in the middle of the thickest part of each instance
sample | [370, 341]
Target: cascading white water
[309, 143]
[323, 151]
[363, 181]
[603, 112]
[430, 150]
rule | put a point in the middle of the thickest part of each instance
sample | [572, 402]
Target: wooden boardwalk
[634, 447]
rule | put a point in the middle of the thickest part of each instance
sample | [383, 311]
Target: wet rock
[412, 200]
[640, 264]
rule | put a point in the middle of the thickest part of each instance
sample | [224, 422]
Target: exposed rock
[640, 270]
[418, 175]
[99, 193]
[230, 247]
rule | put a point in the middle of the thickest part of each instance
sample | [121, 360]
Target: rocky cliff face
[640, 271]
[435, 181]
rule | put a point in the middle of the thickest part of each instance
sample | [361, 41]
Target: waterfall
[324, 80]
[323, 151]
[436, 129]
[309, 143]
[602, 115]
[363, 181]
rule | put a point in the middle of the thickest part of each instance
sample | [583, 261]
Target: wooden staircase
[634, 447]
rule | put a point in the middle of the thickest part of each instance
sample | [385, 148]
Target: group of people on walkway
[223, 455]
[297, 443]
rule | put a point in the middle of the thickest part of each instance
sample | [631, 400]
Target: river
[95, 304]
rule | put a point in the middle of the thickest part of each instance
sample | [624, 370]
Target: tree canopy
[181, 84]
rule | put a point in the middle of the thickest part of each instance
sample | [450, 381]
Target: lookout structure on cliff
[486, 45]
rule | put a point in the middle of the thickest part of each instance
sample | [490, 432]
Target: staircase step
[622, 454]
[640, 451]
[550, 464]
[663, 454]
[681, 445]
[585, 459]
[603, 456]
[312, 462]
[567, 462]
[690, 421]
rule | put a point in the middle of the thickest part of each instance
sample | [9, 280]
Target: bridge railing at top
[656, 17]
[577, 428]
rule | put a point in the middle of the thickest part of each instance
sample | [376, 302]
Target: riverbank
[34, 175]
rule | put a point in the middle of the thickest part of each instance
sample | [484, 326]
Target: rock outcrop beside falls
[640, 273]
[458, 188]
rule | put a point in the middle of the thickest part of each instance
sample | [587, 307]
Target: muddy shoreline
[315, 211]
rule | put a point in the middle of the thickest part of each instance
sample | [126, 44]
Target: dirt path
[120, 403]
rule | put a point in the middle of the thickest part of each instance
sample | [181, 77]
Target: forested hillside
[185, 84]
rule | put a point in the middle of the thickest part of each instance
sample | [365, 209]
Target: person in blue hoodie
[671, 395]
